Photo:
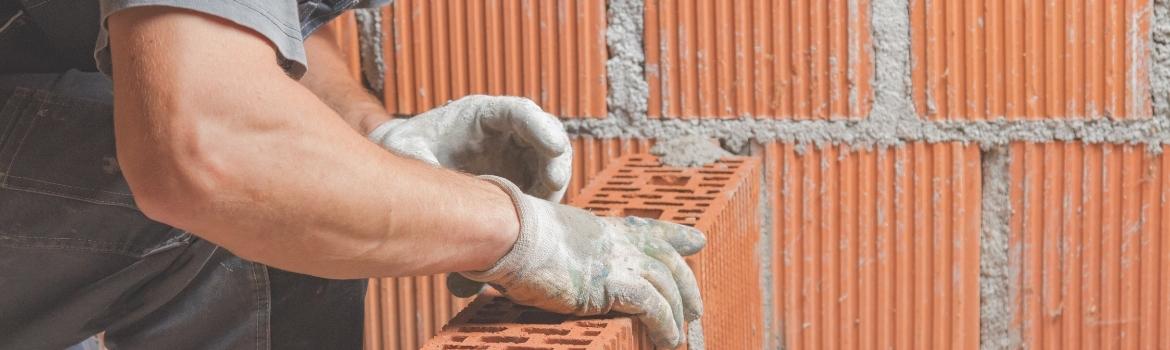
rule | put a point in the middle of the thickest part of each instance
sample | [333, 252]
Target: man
[218, 196]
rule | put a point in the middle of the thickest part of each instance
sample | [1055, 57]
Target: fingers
[661, 278]
[686, 240]
[462, 287]
[553, 179]
[539, 130]
[684, 278]
[641, 299]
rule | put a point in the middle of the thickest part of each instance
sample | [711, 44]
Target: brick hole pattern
[552, 52]
[1090, 240]
[733, 315]
[875, 249]
[1030, 59]
[591, 155]
[803, 59]
[495, 323]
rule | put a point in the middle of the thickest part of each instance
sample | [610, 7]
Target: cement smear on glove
[688, 152]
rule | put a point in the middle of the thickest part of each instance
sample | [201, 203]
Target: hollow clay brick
[552, 52]
[1090, 241]
[721, 199]
[495, 323]
[591, 155]
[1030, 59]
[803, 59]
[875, 248]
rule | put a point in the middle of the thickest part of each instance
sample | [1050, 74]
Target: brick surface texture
[1091, 242]
[876, 248]
[771, 59]
[1030, 59]
[552, 52]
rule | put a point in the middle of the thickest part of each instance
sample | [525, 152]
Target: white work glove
[569, 261]
[510, 137]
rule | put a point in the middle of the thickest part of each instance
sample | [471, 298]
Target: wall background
[939, 174]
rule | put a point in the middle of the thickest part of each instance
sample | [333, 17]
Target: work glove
[569, 261]
[510, 137]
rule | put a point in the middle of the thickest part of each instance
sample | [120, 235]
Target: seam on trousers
[263, 290]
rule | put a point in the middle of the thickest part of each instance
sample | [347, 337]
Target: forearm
[254, 162]
[329, 78]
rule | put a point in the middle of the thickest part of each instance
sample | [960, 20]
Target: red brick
[722, 199]
[1030, 59]
[403, 312]
[493, 322]
[875, 247]
[800, 59]
[1091, 245]
[592, 155]
[552, 52]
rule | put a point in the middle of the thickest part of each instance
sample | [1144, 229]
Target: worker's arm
[214, 138]
[329, 78]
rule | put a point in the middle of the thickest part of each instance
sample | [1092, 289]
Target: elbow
[178, 181]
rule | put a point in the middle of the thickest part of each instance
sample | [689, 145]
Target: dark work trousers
[77, 257]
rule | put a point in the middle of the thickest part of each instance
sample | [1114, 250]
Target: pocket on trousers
[60, 184]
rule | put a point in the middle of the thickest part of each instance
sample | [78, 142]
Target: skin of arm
[215, 139]
[329, 78]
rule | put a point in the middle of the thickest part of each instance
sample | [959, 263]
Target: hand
[510, 137]
[569, 261]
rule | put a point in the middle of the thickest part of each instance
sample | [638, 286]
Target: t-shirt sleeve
[373, 3]
[276, 20]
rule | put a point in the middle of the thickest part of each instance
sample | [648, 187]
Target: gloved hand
[510, 137]
[569, 261]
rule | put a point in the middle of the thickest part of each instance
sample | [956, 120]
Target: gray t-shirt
[70, 24]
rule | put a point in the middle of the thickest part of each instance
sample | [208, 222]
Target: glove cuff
[384, 129]
[526, 241]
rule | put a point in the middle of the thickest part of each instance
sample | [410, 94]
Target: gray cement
[772, 340]
[995, 272]
[870, 132]
[369, 22]
[688, 151]
[628, 91]
[891, 45]
[1160, 59]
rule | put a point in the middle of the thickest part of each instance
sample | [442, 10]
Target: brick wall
[876, 122]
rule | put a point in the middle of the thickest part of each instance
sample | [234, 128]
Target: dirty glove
[569, 261]
[510, 137]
